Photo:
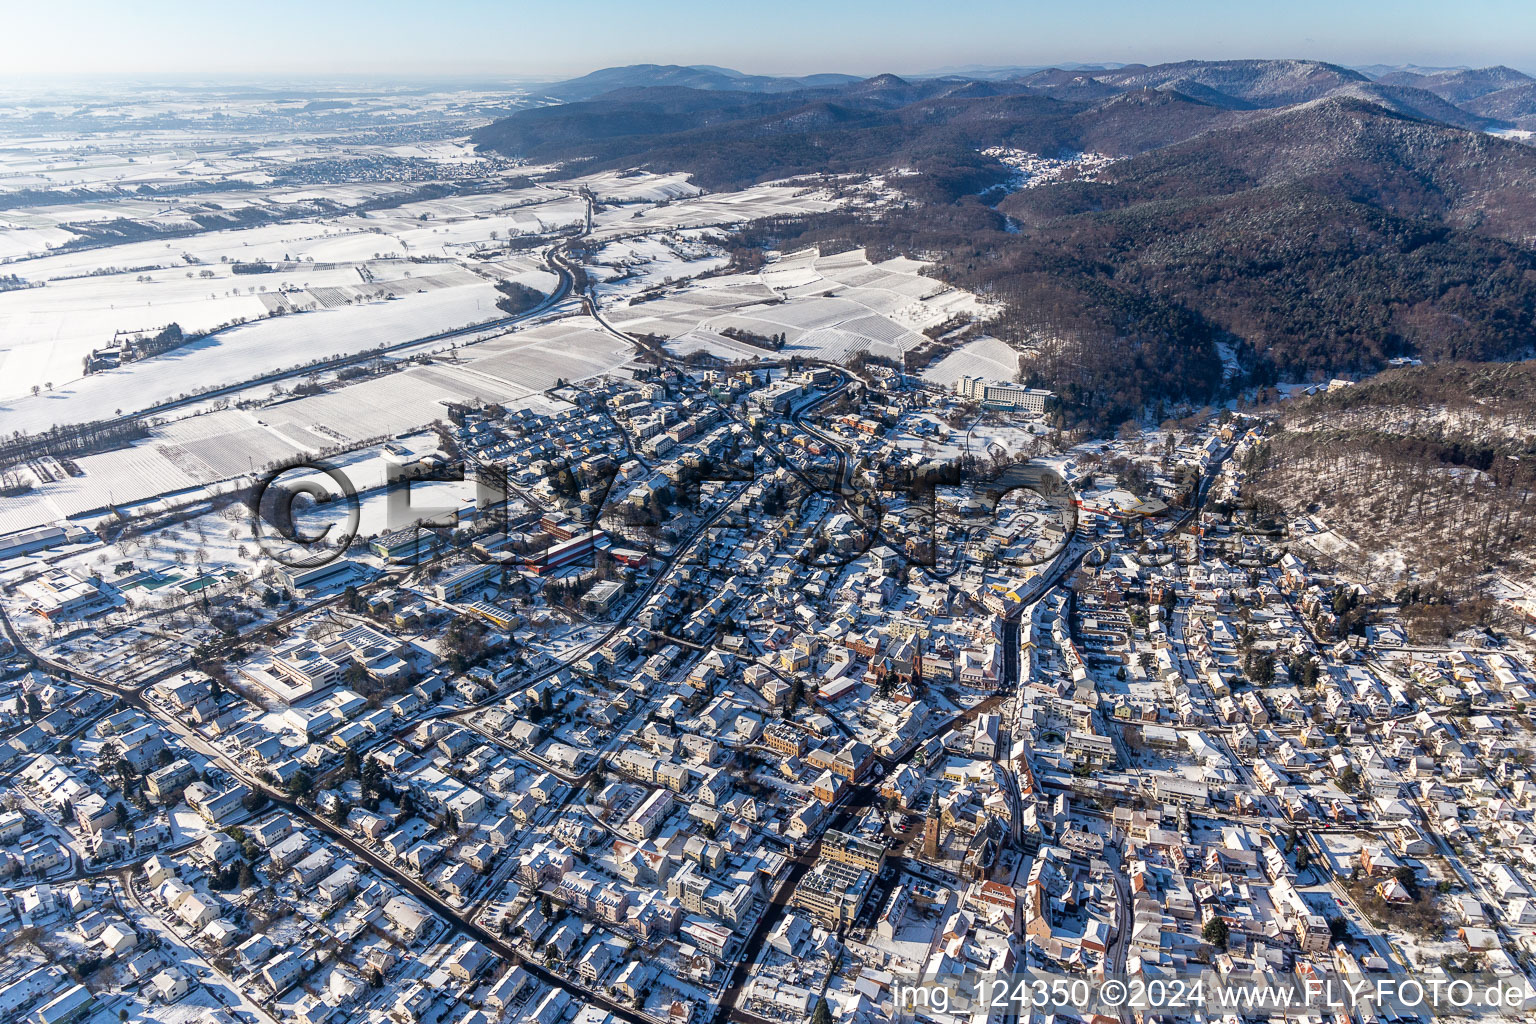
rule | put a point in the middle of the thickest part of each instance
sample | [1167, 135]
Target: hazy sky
[560, 39]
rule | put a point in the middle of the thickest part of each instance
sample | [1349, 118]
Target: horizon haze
[533, 43]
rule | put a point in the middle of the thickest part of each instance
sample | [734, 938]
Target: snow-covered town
[650, 633]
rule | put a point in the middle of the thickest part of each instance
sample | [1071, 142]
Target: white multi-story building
[1002, 394]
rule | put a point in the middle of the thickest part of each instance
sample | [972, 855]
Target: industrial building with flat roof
[568, 552]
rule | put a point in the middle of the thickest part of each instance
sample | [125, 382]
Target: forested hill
[1292, 215]
[732, 139]
[1472, 405]
[1321, 239]
[1426, 477]
[1345, 146]
[1492, 92]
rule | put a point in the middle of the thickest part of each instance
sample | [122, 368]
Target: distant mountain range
[1377, 70]
[1493, 97]
[1000, 71]
[700, 76]
[731, 129]
[1302, 217]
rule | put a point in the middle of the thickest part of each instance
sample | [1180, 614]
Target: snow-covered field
[48, 331]
[755, 203]
[826, 307]
[329, 259]
[985, 357]
[626, 268]
[187, 456]
[244, 245]
[638, 187]
[444, 239]
[361, 258]
[250, 350]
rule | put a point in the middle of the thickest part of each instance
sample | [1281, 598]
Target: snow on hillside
[986, 357]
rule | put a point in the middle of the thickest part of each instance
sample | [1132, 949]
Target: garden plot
[127, 476]
[716, 345]
[446, 151]
[951, 303]
[880, 331]
[848, 259]
[742, 294]
[680, 312]
[162, 211]
[469, 209]
[196, 452]
[232, 444]
[297, 434]
[351, 194]
[26, 511]
[797, 315]
[346, 247]
[59, 170]
[836, 344]
[375, 408]
[368, 409]
[218, 540]
[783, 277]
[450, 208]
[987, 358]
[509, 370]
[89, 212]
